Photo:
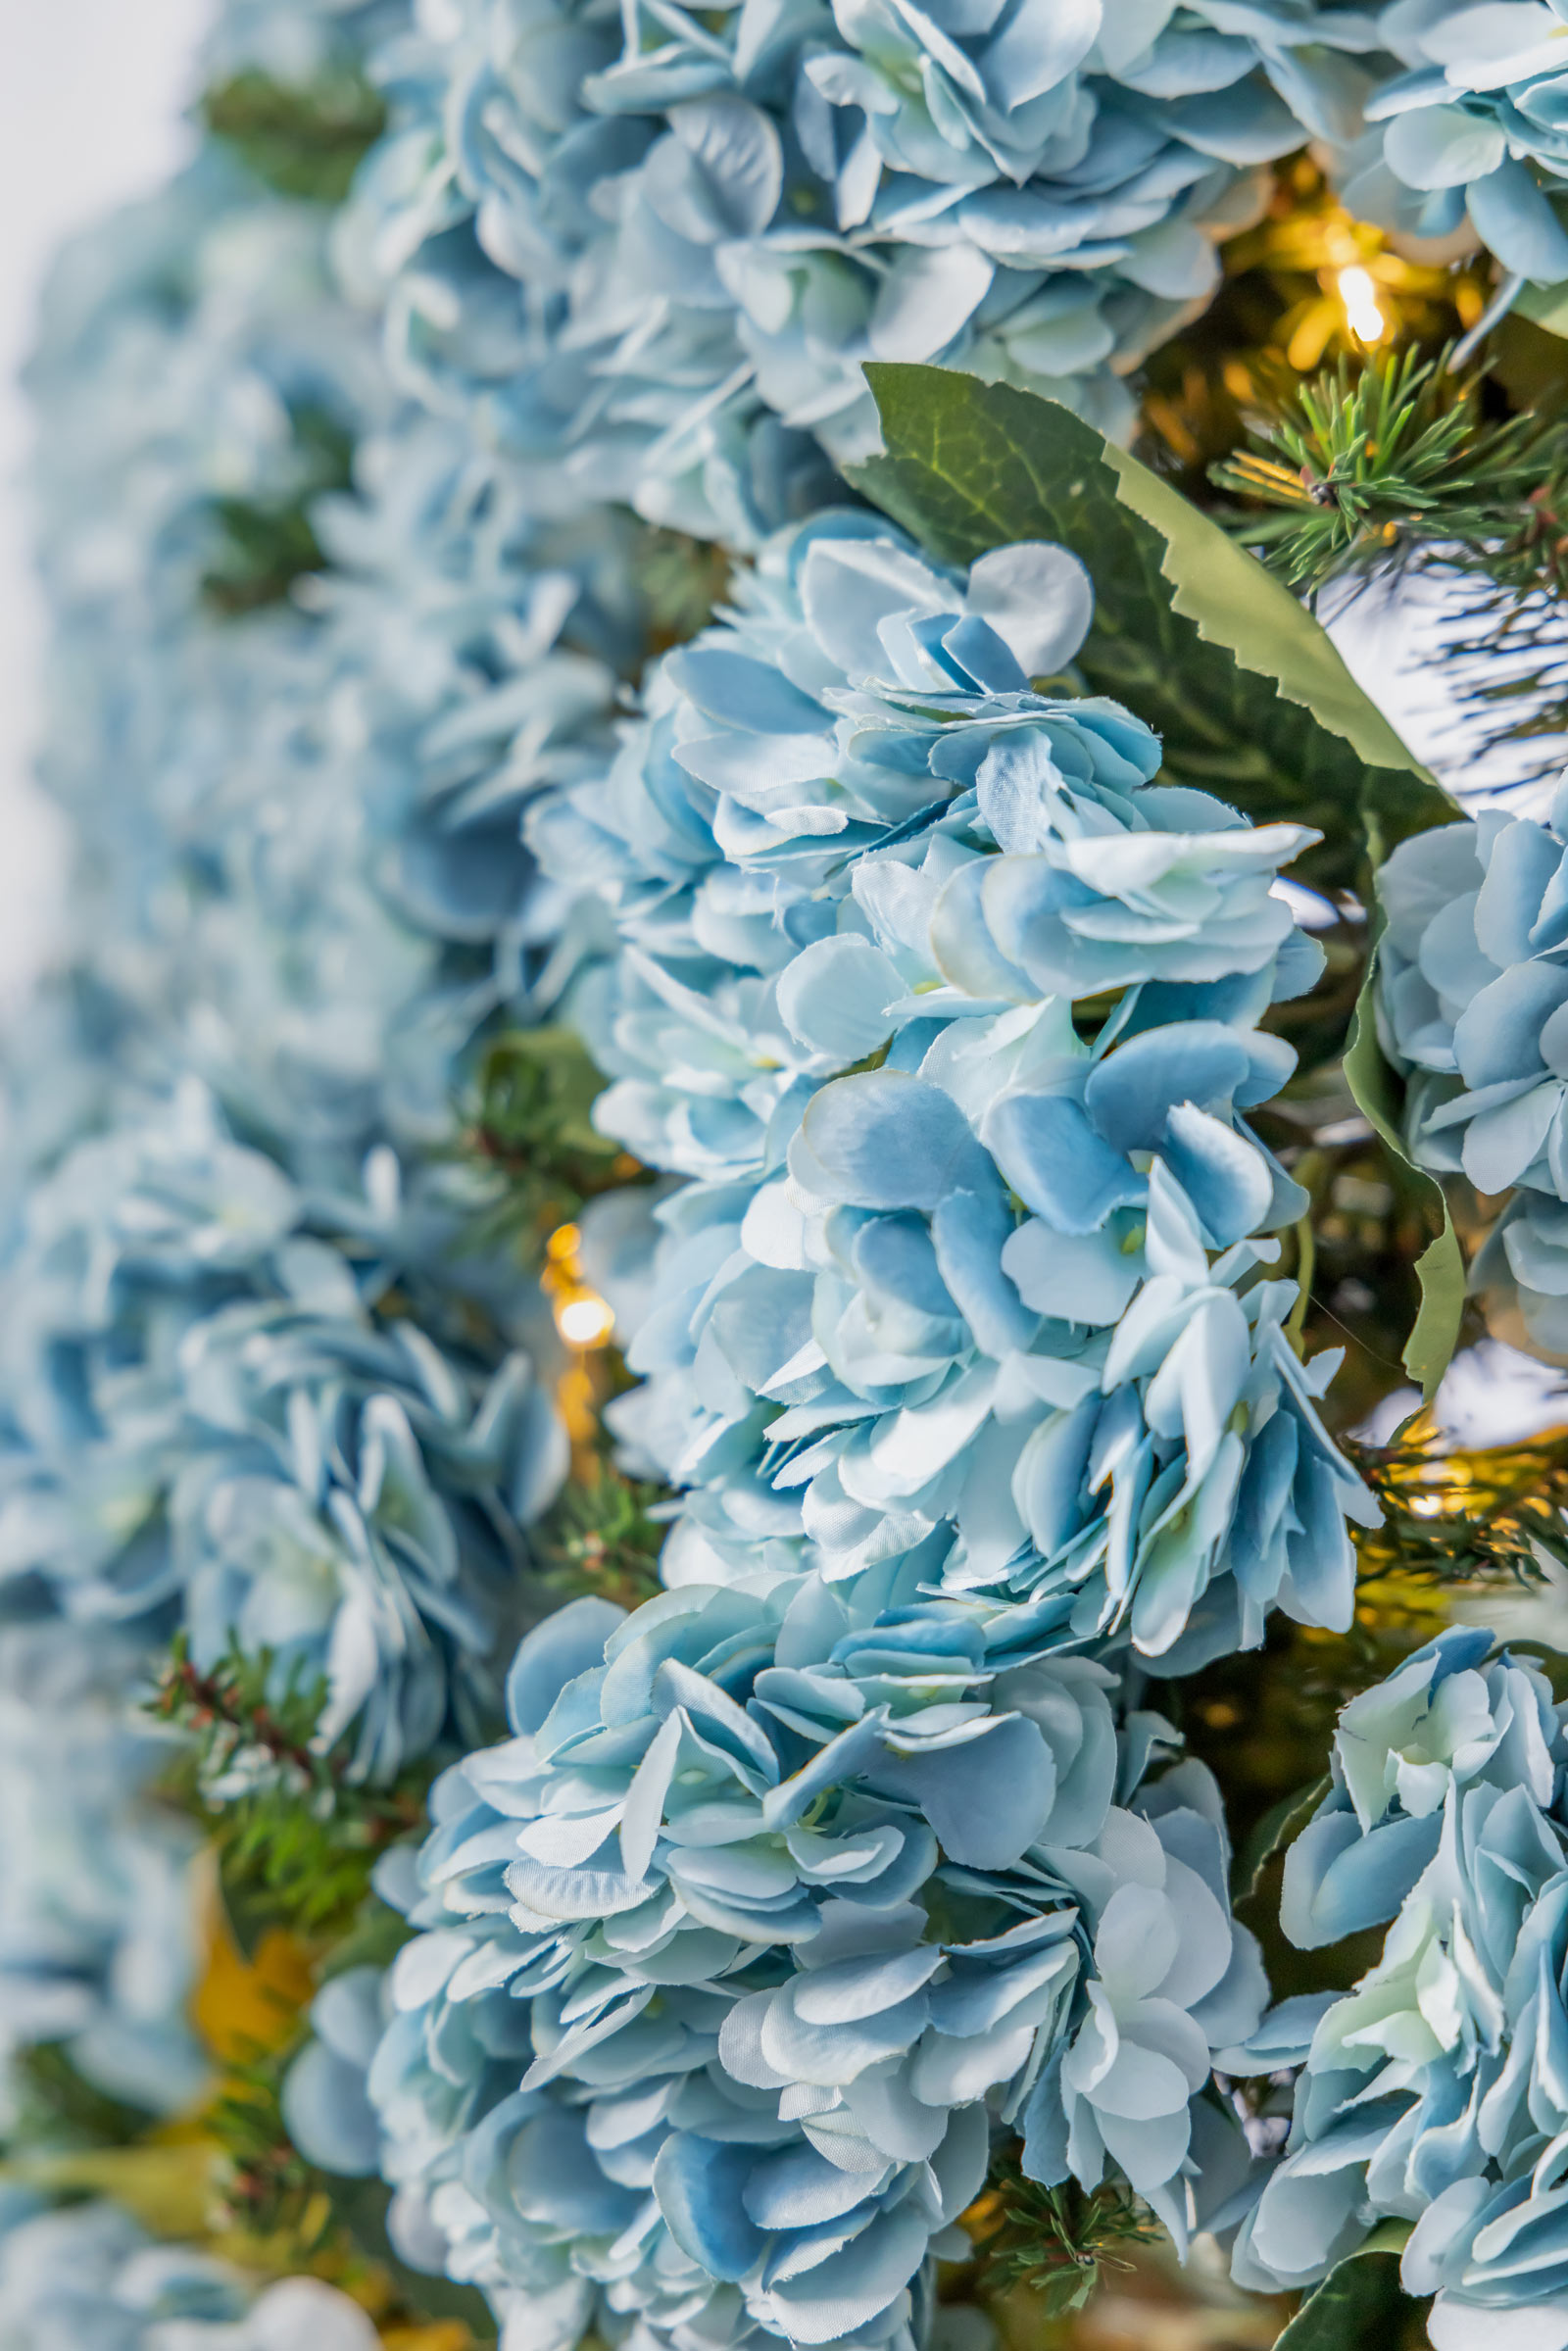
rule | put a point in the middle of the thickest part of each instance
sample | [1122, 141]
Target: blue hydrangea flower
[87, 2279]
[1435, 2091]
[995, 1292]
[785, 1900]
[1473, 127]
[1472, 978]
[211, 1413]
[98, 1944]
[724, 223]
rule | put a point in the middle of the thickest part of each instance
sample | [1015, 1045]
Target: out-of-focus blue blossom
[221, 1406]
[1436, 2091]
[1474, 125]
[1473, 1008]
[97, 1928]
[87, 2279]
[786, 1899]
[995, 1294]
[310, 888]
[638, 266]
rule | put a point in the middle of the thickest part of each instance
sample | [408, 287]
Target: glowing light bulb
[585, 1320]
[1362, 310]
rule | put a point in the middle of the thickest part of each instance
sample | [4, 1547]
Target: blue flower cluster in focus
[775, 1902]
[656, 254]
[1433, 2093]
[949, 1013]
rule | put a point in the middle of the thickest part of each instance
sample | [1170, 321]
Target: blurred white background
[92, 95]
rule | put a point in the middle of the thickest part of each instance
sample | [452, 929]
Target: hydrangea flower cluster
[1473, 974]
[87, 2279]
[730, 1957]
[663, 263]
[97, 1929]
[312, 890]
[950, 1012]
[223, 1413]
[1472, 128]
[1433, 2093]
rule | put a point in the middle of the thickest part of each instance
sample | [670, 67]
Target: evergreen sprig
[528, 1127]
[56, 2109]
[265, 2186]
[297, 1834]
[1058, 2241]
[1394, 467]
[1394, 463]
[603, 1537]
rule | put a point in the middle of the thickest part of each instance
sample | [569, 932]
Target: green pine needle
[57, 2110]
[603, 1537]
[1060, 2241]
[1396, 467]
[529, 1130]
[297, 1834]
[1394, 462]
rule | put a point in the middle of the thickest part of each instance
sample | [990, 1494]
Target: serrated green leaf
[1358, 2306]
[1440, 1269]
[1279, 1825]
[1246, 691]
[1546, 307]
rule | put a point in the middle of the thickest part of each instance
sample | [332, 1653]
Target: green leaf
[1279, 1825]
[1358, 2306]
[1545, 306]
[1246, 691]
[1440, 1268]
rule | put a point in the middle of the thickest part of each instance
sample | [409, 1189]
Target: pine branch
[1058, 2241]
[528, 1127]
[297, 1834]
[57, 2109]
[1393, 468]
[602, 1536]
[1393, 463]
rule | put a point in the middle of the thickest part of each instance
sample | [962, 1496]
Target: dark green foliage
[270, 2193]
[1358, 2307]
[305, 140]
[683, 581]
[529, 1127]
[267, 2186]
[297, 1837]
[1058, 2241]
[1440, 1269]
[263, 547]
[1248, 697]
[603, 1537]
[58, 2110]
